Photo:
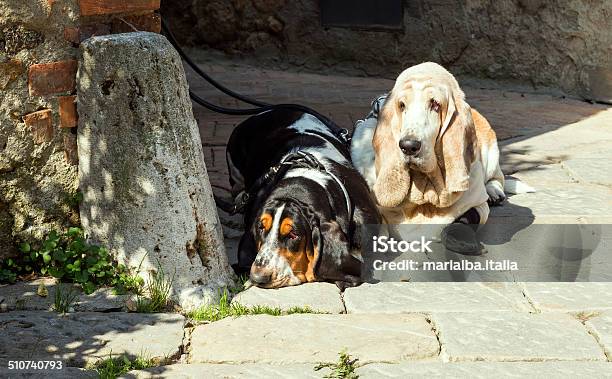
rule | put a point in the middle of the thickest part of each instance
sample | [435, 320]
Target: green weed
[343, 369]
[225, 308]
[111, 368]
[156, 294]
[64, 299]
[69, 258]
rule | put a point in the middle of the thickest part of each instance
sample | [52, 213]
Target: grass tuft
[343, 369]
[241, 284]
[225, 308]
[64, 299]
[111, 368]
[305, 309]
[155, 297]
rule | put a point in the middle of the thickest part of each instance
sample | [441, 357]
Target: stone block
[321, 297]
[435, 297]
[146, 193]
[569, 297]
[514, 337]
[601, 328]
[81, 338]
[487, 370]
[308, 338]
[9, 71]
[250, 371]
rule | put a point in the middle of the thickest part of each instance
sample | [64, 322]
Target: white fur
[515, 186]
[486, 180]
[421, 124]
[489, 155]
[268, 254]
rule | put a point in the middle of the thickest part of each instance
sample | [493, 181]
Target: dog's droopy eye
[402, 106]
[434, 105]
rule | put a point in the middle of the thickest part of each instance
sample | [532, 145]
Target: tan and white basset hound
[426, 155]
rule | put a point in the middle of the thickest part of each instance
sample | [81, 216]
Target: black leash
[341, 133]
[260, 106]
[205, 76]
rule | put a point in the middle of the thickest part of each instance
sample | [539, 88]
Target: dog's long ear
[451, 109]
[330, 259]
[333, 261]
[392, 179]
[456, 143]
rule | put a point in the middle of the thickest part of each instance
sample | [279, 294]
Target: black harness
[298, 159]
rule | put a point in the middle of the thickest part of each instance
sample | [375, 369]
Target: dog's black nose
[410, 146]
[260, 277]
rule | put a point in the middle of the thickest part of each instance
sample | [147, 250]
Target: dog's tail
[515, 186]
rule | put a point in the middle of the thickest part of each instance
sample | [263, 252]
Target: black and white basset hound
[304, 204]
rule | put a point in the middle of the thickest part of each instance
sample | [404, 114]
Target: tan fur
[301, 262]
[266, 221]
[484, 132]
[439, 192]
[286, 226]
[392, 185]
[455, 150]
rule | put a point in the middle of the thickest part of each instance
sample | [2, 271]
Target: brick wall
[38, 115]
[57, 79]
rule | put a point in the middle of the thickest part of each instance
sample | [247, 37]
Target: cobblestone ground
[561, 147]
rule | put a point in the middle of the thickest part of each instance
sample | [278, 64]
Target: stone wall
[564, 44]
[38, 153]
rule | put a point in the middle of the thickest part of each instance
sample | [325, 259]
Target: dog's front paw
[495, 192]
[461, 239]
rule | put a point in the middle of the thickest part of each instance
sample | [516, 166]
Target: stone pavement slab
[589, 170]
[308, 338]
[23, 296]
[435, 297]
[321, 297]
[601, 327]
[66, 372]
[227, 371]
[569, 297]
[80, 338]
[384, 370]
[540, 175]
[514, 337]
[566, 140]
[487, 370]
[564, 165]
[561, 199]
